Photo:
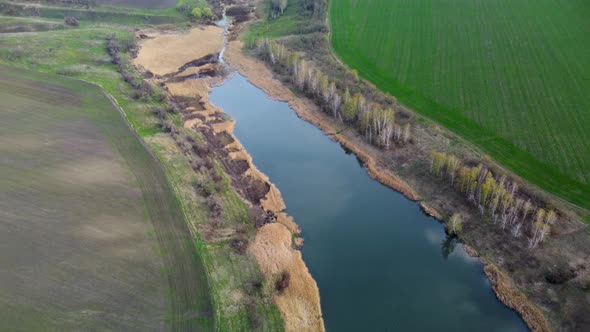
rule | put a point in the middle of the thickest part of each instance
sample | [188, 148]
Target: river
[380, 263]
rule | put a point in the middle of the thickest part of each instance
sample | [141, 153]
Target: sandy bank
[165, 52]
[274, 251]
[273, 245]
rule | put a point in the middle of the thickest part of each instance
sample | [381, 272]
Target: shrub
[202, 150]
[204, 189]
[253, 315]
[239, 245]
[214, 207]
[168, 126]
[71, 21]
[197, 13]
[216, 177]
[283, 281]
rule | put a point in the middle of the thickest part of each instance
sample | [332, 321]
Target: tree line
[497, 197]
[377, 124]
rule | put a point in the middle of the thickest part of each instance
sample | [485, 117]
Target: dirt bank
[510, 296]
[300, 301]
[273, 246]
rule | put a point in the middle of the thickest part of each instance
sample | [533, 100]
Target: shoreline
[257, 73]
[251, 69]
[274, 246]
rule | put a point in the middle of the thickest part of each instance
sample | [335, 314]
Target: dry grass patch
[166, 52]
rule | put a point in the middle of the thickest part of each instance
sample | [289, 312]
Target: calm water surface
[380, 263]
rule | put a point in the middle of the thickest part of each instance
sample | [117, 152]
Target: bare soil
[166, 52]
[92, 238]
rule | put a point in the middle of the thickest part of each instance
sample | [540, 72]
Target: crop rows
[509, 76]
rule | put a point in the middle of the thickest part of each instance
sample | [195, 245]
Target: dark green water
[378, 260]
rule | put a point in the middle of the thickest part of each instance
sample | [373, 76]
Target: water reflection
[375, 256]
[447, 246]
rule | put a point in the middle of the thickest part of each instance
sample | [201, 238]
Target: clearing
[510, 76]
[92, 235]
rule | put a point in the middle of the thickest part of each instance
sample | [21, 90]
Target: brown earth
[92, 238]
[273, 246]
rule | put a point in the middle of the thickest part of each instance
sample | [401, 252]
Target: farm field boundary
[508, 77]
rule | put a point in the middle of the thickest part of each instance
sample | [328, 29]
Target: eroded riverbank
[275, 241]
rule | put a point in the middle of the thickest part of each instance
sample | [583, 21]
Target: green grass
[17, 24]
[101, 193]
[228, 271]
[79, 53]
[510, 76]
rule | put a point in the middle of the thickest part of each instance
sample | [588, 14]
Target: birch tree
[452, 164]
[456, 224]
[539, 228]
[336, 103]
[406, 133]
[351, 107]
[325, 89]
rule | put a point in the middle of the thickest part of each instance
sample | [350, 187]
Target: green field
[510, 76]
[93, 237]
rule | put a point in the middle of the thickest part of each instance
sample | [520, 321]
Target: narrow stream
[380, 263]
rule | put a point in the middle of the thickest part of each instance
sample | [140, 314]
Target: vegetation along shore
[537, 243]
[214, 243]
